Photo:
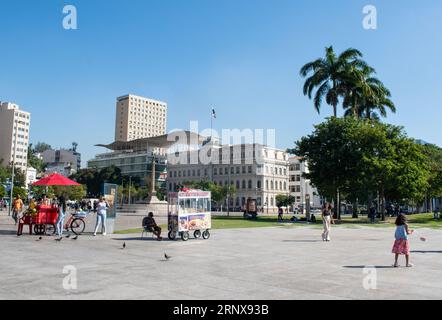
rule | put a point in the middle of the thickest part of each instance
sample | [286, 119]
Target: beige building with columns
[14, 135]
[138, 117]
[257, 171]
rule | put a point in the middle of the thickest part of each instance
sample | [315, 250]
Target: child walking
[401, 244]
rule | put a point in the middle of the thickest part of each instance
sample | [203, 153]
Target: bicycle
[76, 223]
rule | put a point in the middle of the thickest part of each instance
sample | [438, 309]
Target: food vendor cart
[189, 210]
[41, 220]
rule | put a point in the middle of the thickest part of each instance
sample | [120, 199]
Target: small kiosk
[189, 210]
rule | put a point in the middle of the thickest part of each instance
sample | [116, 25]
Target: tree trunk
[338, 205]
[382, 200]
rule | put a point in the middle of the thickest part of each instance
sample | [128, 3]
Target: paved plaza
[260, 263]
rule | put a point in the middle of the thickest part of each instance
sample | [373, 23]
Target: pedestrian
[401, 244]
[102, 206]
[44, 201]
[327, 220]
[17, 208]
[62, 208]
[280, 214]
[372, 214]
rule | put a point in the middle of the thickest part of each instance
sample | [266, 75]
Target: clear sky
[241, 57]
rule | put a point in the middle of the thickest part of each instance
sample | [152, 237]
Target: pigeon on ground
[166, 256]
[68, 236]
[39, 239]
[58, 239]
[75, 238]
[124, 245]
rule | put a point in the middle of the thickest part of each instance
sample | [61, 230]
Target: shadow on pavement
[426, 251]
[368, 266]
[8, 232]
[302, 241]
[141, 239]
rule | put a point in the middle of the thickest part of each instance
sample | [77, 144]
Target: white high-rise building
[14, 135]
[139, 117]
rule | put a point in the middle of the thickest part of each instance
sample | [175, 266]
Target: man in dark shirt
[151, 224]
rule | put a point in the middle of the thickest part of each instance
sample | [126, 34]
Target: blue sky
[241, 57]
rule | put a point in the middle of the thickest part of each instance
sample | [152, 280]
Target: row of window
[243, 184]
[295, 167]
[226, 171]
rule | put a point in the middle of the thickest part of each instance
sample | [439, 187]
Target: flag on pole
[213, 113]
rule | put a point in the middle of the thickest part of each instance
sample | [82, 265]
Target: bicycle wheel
[78, 226]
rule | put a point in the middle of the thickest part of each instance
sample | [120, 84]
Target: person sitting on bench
[150, 224]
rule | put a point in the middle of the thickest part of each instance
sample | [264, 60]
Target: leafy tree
[18, 191]
[353, 158]
[283, 200]
[41, 147]
[75, 193]
[34, 161]
[434, 157]
[4, 173]
[2, 191]
[38, 191]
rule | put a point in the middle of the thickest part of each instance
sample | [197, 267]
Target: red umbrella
[55, 179]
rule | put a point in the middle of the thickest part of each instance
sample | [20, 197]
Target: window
[243, 169]
[237, 170]
[237, 184]
[232, 170]
[258, 184]
[244, 184]
[250, 169]
[250, 184]
[215, 171]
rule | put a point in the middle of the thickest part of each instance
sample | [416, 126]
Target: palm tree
[329, 76]
[365, 96]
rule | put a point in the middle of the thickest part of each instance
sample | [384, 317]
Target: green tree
[365, 96]
[41, 147]
[19, 191]
[329, 76]
[75, 193]
[2, 191]
[283, 200]
[352, 157]
[34, 161]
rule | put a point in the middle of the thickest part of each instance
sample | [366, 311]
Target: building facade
[257, 172]
[14, 133]
[300, 187]
[138, 117]
[132, 164]
[62, 158]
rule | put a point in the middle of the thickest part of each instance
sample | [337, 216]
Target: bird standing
[124, 245]
[166, 256]
[75, 238]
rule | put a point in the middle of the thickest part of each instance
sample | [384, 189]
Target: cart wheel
[50, 229]
[197, 234]
[185, 236]
[78, 226]
[39, 229]
[206, 235]
[171, 235]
